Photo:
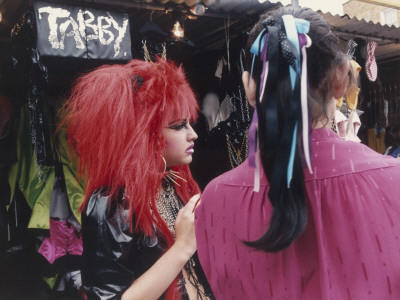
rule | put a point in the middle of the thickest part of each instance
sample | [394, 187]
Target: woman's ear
[249, 88]
[340, 80]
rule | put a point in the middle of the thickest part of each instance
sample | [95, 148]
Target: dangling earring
[171, 175]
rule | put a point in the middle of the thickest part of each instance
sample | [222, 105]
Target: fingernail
[195, 205]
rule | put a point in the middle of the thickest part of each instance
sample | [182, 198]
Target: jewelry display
[246, 104]
[236, 130]
[236, 156]
[147, 56]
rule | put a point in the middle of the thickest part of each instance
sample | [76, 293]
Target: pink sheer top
[349, 250]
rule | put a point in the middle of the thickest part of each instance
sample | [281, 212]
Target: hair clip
[137, 82]
[270, 21]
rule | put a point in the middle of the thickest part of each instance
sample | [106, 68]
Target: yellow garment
[376, 142]
[352, 90]
[339, 102]
[37, 190]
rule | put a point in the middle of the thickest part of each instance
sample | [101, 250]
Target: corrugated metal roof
[387, 37]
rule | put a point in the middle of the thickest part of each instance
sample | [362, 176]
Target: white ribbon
[304, 107]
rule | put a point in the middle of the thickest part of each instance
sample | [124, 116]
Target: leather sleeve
[106, 241]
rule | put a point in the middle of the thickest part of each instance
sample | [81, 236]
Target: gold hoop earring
[165, 164]
[171, 175]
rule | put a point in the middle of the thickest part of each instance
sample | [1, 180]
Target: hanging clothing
[63, 240]
[347, 128]
[352, 88]
[341, 123]
[349, 249]
[36, 182]
[211, 110]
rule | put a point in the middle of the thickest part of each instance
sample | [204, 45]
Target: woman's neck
[325, 120]
[322, 123]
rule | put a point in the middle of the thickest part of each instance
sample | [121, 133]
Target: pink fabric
[63, 240]
[349, 250]
[370, 65]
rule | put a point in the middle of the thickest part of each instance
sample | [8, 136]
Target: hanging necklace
[147, 57]
[246, 104]
[168, 204]
[236, 155]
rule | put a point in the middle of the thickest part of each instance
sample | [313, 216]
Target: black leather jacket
[113, 257]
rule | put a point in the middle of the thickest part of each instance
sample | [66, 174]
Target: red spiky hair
[114, 119]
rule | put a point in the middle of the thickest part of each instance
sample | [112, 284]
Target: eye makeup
[178, 124]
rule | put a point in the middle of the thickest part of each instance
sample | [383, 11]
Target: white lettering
[103, 30]
[74, 33]
[88, 24]
[81, 22]
[121, 34]
[54, 14]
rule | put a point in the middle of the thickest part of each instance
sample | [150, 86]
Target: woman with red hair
[130, 126]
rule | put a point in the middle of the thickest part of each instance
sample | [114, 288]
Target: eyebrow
[177, 121]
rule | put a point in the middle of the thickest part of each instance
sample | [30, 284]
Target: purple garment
[349, 250]
[63, 240]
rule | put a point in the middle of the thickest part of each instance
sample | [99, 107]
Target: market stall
[53, 42]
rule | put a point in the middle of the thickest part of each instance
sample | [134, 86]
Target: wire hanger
[151, 27]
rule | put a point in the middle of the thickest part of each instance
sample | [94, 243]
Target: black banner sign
[82, 32]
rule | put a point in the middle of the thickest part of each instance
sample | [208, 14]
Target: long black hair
[289, 216]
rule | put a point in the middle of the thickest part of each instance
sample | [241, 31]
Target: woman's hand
[153, 283]
[185, 237]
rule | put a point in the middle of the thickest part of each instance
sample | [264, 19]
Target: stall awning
[387, 37]
[209, 32]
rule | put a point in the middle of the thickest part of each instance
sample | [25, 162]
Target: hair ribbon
[258, 45]
[294, 27]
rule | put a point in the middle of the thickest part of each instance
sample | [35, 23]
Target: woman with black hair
[307, 215]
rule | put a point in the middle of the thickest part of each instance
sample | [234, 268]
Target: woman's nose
[192, 135]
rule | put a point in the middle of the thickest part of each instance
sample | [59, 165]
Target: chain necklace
[235, 155]
[168, 204]
[246, 104]
[147, 56]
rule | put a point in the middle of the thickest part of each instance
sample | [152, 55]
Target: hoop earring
[165, 164]
[171, 175]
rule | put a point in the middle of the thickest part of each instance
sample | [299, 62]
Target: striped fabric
[370, 65]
